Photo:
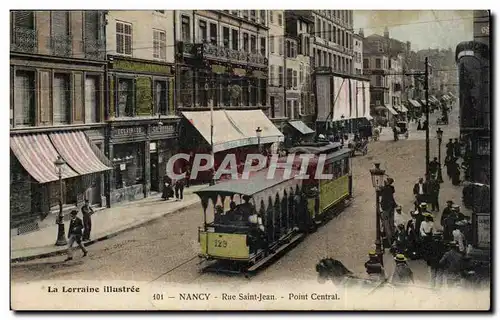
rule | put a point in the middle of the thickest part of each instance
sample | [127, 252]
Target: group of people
[169, 186]
[453, 154]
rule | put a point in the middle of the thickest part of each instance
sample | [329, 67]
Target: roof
[316, 150]
[414, 103]
[301, 127]
[391, 110]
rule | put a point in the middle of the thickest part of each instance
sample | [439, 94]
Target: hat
[400, 258]
[73, 212]
[461, 223]
[398, 208]
[423, 204]
[455, 207]
[428, 214]
[372, 253]
[453, 244]
[449, 201]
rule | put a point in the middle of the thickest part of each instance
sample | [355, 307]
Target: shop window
[161, 97]
[24, 98]
[128, 164]
[296, 110]
[91, 99]
[61, 95]
[124, 38]
[263, 92]
[125, 98]
[253, 92]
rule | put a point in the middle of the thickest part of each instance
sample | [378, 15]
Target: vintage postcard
[250, 159]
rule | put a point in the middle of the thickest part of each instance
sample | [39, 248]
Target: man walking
[75, 235]
[457, 149]
[449, 148]
[420, 192]
[87, 212]
[446, 211]
[179, 189]
[434, 166]
[453, 263]
[438, 249]
[402, 273]
[434, 187]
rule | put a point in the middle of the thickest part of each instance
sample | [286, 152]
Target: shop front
[297, 131]
[140, 153]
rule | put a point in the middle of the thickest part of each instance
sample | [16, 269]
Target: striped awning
[401, 108]
[37, 155]
[75, 149]
[414, 103]
[391, 109]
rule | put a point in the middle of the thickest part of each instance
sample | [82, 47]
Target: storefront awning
[423, 102]
[452, 95]
[37, 155]
[368, 116]
[391, 110]
[75, 149]
[433, 99]
[233, 129]
[414, 103]
[446, 97]
[301, 127]
[401, 108]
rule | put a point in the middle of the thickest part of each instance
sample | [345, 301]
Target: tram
[249, 222]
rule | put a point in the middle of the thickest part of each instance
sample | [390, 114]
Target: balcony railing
[235, 56]
[61, 45]
[94, 49]
[24, 40]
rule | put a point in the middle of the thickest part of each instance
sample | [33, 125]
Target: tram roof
[316, 150]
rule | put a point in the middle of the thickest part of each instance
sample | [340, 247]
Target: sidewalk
[106, 223]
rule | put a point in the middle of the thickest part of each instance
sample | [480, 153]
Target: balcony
[94, 49]
[212, 51]
[61, 45]
[24, 40]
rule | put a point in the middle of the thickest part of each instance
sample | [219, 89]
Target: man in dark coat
[87, 212]
[453, 264]
[438, 249]
[75, 231]
[167, 191]
[434, 166]
[457, 149]
[449, 223]
[434, 187]
[388, 204]
[449, 148]
[446, 212]
[420, 192]
[179, 189]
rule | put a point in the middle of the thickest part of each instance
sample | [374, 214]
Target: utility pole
[427, 151]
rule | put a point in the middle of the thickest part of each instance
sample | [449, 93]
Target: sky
[423, 28]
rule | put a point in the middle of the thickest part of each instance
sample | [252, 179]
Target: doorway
[154, 171]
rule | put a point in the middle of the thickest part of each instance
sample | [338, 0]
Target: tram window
[346, 165]
[337, 169]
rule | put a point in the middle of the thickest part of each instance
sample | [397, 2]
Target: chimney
[386, 32]
[362, 32]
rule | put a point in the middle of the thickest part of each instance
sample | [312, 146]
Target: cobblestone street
[167, 250]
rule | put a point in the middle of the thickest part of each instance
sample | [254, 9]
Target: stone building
[358, 53]
[276, 87]
[57, 108]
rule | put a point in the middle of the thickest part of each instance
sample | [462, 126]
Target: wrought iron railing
[257, 58]
[24, 40]
[61, 45]
[94, 49]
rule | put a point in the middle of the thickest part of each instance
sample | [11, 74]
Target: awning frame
[300, 126]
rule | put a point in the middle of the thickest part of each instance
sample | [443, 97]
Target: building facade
[358, 54]
[276, 87]
[222, 58]
[143, 126]
[57, 108]
[333, 40]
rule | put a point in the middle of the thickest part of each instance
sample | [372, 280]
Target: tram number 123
[220, 243]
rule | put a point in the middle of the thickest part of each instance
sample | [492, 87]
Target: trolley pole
[427, 150]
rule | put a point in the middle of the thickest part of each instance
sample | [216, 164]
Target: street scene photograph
[250, 160]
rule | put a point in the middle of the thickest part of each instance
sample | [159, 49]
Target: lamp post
[342, 128]
[258, 133]
[61, 237]
[439, 133]
[378, 182]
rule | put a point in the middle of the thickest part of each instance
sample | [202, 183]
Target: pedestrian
[438, 250]
[434, 166]
[459, 237]
[400, 218]
[446, 211]
[448, 162]
[453, 264]
[388, 204]
[434, 187]
[455, 172]
[400, 244]
[87, 212]
[426, 231]
[419, 126]
[188, 175]
[374, 268]
[457, 149]
[179, 189]
[402, 272]
[168, 191]
[420, 192]
[412, 232]
[449, 223]
[75, 235]
[449, 148]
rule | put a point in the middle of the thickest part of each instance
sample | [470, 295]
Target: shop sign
[218, 69]
[128, 131]
[123, 166]
[163, 130]
[239, 72]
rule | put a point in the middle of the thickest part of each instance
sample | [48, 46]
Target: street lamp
[258, 133]
[378, 182]
[342, 128]
[439, 133]
[61, 237]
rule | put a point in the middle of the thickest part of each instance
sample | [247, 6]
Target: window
[234, 12]
[295, 79]
[280, 19]
[253, 44]
[263, 46]
[263, 17]
[296, 109]
[329, 32]
[91, 99]
[245, 14]
[125, 98]
[292, 50]
[235, 39]
[271, 16]
[317, 26]
[301, 74]
[271, 44]
[253, 15]
[159, 44]
[378, 81]
[325, 62]
[24, 98]
[225, 36]
[288, 109]
[377, 63]
[330, 59]
[366, 64]
[202, 31]
[289, 79]
[323, 35]
[185, 33]
[124, 38]
[213, 34]
[271, 76]
[245, 42]
[306, 46]
[280, 41]
[161, 97]
[280, 76]
[61, 95]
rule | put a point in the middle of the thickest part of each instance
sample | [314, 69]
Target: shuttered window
[124, 38]
[125, 98]
[91, 25]
[60, 23]
[62, 106]
[159, 44]
[24, 19]
[24, 98]
[161, 98]
[91, 102]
